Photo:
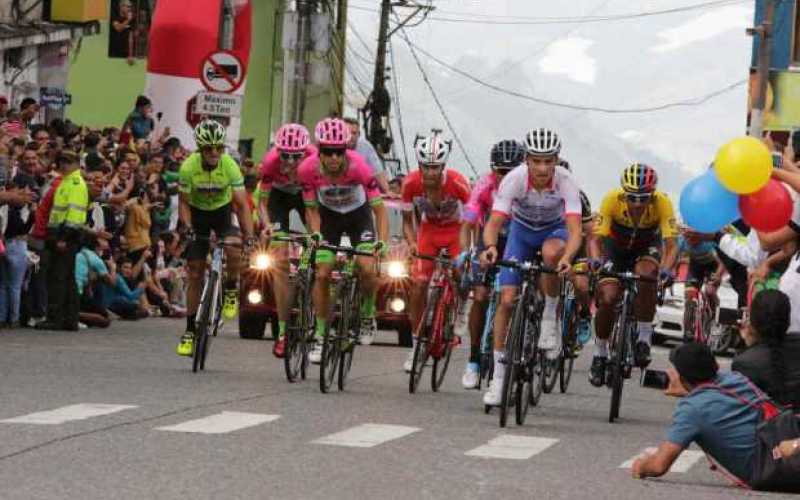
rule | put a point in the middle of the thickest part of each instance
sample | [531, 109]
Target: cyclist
[211, 188]
[581, 281]
[636, 222]
[339, 189]
[281, 193]
[505, 156]
[438, 195]
[543, 203]
[703, 264]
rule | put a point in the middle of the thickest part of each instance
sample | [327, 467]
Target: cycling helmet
[209, 133]
[542, 142]
[432, 150]
[332, 132]
[292, 138]
[507, 155]
[639, 178]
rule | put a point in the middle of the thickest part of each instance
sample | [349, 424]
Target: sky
[633, 63]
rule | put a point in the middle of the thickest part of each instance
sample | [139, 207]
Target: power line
[411, 48]
[397, 103]
[696, 101]
[533, 21]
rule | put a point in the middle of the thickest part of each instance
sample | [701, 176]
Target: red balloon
[768, 209]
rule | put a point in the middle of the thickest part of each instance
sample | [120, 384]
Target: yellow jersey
[615, 222]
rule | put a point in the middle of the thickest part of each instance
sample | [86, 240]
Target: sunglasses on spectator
[208, 149]
[286, 156]
[638, 197]
[332, 151]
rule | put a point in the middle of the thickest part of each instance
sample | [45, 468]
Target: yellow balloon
[743, 165]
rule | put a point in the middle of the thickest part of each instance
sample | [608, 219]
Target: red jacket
[42, 216]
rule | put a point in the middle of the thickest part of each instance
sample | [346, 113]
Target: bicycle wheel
[552, 367]
[295, 341]
[512, 360]
[329, 361]
[348, 330]
[421, 355]
[527, 375]
[203, 323]
[538, 364]
[440, 364]
[568, 348]
[618, 356]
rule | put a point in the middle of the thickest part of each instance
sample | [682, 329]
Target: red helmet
[332, 132]
[292, 138]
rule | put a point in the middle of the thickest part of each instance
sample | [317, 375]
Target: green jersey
[210, 189]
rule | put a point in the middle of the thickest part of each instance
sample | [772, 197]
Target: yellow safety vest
[70, 203]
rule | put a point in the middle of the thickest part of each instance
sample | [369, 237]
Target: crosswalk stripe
[366, 435]
[69, 413]
[512, 447]
[685, 461]
[221, 423]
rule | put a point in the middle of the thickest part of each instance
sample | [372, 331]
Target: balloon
[768, 209]
[706, 206]
[743, 165]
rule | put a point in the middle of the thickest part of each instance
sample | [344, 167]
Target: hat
[694, 362]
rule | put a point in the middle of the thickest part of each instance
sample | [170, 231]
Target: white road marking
[512, 447]
[366, 435]
[69, 413]
[685, 461]
[221, 423]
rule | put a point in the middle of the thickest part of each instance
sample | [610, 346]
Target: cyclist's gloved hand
[380, 248]
[316, 237]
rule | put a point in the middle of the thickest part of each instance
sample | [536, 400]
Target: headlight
[397, 305]
[254, 297]
[261, 262]
[397, 269]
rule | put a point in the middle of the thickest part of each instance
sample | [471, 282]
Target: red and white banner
[179, 45]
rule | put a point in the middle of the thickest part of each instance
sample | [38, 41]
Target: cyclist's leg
[645, 303]
[279, 207]
[552, 251]
[607, 297]
[223, 227]
[196, 265]
[580, 283]
[690, 292]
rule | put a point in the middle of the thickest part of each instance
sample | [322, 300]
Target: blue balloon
[706, 206]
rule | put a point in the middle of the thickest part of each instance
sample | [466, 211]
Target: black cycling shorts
[204, 222]
[699, 271]
[357, 225]
[280, 205]
[625, 259]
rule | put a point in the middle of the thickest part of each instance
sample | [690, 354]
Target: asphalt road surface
[115, 414]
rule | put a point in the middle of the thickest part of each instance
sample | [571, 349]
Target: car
[393, 292]
[256, 299]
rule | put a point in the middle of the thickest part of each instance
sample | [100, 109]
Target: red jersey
[455, 194]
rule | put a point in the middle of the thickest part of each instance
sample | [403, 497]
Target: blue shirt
[720, 424]
[87, 261]
[705, 250]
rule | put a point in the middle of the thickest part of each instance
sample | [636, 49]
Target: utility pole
[376, 110]
[764, 33]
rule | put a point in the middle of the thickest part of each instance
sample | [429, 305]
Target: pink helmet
[332, 132]
[292, 138]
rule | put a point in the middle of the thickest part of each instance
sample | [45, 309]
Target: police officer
[64, 232]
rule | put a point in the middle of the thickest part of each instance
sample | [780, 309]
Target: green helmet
[209, 133]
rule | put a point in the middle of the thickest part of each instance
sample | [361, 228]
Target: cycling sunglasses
[638, 197]
[331, 151]
[286, 156]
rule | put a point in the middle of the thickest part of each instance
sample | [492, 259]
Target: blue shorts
[523, 244]
[478, 276]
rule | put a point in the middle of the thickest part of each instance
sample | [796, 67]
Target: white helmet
[542, 142]
[432, 149]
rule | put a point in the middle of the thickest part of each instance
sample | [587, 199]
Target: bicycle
[567, 320]
[435, 336]
[700, 316]
[300, 327]
[486, 370]
[623, 335]
[208, 319]
[524, 381]
[338, 348]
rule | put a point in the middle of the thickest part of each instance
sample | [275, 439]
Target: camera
[655, 379]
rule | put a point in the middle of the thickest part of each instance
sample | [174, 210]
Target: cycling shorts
[203, 222]
[482, 277]
[699, 271]
[356, 225]
[625, 259]
[280, 205]
[524, 244]
[431, 239]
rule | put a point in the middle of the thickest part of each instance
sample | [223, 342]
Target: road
[115, 414]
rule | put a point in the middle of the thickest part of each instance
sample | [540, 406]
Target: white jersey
[537, 210]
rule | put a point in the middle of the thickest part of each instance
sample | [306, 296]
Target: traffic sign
[222, 71]
[217, 104]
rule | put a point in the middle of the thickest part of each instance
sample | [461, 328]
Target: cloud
[633, 136]
[568, 57]
[704, 27]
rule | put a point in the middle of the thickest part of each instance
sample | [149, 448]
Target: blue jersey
[703, 251]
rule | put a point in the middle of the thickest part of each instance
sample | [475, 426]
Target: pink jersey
[344, 194]
[479, 206]
[273, 175]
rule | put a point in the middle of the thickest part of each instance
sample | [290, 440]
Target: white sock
[499, 368]
[550, 306]
[645, 331]
[601, 348]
